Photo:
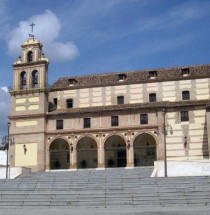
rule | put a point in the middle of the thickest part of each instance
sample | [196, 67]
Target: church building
[109, 120]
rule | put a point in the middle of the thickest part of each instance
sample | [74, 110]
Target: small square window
[72, 82]
[120, 100]
[184, 116]
[152, 74]
[185, 95]
[69, 103]
[143, 118]
[152, 97]
[59, 124]
[86, 122]
[122, 77]
[114, 121]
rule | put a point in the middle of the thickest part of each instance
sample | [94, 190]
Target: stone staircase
[104, 188]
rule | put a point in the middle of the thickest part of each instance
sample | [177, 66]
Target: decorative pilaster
[47, 167]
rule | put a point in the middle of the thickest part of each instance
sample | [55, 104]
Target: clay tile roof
[131, 77]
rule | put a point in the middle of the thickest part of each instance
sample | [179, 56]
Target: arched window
[35, 79]
[23, 78]
[30, 56]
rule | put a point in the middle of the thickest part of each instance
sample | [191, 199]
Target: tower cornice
[31, 63]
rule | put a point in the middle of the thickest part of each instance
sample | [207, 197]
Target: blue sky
[99, 36]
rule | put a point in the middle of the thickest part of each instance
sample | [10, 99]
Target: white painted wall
[182, 168]
[3, 157]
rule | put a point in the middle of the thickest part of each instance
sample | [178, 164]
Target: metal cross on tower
[32, 28]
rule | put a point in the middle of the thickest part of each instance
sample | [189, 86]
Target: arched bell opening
[87, 156]
[144, 150]
[23, 80]
[59, 154]
[35, 79]
[30, 56]
[115, 152]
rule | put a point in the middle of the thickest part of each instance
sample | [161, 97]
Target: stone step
[106, 188]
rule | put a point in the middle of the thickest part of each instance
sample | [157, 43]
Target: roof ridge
[138, 70]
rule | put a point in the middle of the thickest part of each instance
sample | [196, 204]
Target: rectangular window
[120, 100]
[143, 118]
[72, 82]
[122, 77]
[55, 102]
[114, 121]
[185, 95]
[59, 124]
[86, 122]
[69, 103]
[152, 97]
[152, 74]
[185, 72]
[184, 116]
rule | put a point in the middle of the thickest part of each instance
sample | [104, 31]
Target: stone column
[73, 154]
[74, 158]
[130, 152]
[101, 153]
[70, 155]
[131, 156]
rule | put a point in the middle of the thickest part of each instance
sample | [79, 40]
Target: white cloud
[47, 30]
[64, 51]
[5, 89]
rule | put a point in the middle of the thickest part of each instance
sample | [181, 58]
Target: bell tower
[31, 70]
[29, 104]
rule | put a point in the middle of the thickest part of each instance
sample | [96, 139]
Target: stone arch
[110, 135]
[59, 150]
[145, 149]
[23, 80]
[87, 135]
[35, 79]
[115, 151]
[146, 132]
[87, 154]
[59, 137]
[29, 56]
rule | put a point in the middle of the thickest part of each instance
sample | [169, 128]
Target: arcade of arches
[113, 153]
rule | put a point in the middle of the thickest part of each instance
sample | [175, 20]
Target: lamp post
[165, 133]
[8, 140]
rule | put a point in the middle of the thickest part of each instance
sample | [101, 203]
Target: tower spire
[32, 28]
